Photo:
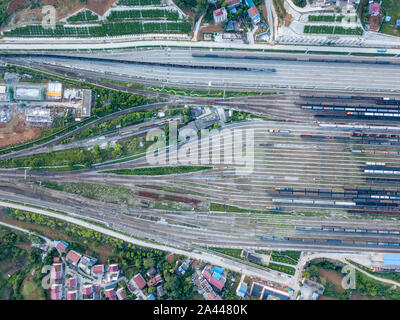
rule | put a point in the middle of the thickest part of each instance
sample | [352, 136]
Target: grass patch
[157, 171]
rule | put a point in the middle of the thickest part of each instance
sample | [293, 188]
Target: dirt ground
[334, 277]
[64, 8]
[17, 131]
[209, 29]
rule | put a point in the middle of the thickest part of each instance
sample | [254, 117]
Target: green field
[157, 171]
[391, 8]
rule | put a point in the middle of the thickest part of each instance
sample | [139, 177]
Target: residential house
[160, 291]
[121, 294]
[139, 281]
[374, 9]
[71, 283]
[220, 16]
[233, 3]
[241, 290]
[110, 294]
[73, 257]
[154, 281]
[71, 295]
[254, 15]
[98, 270]
[151, 272]
[56, 292]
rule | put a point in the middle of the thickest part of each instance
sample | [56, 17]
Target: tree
[148, 263]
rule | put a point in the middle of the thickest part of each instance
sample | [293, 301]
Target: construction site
[28, 108]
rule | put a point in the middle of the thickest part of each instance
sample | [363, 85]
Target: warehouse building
[38, 116]
[87, 103]
[25, 92]
[54, 91]
[5, 93]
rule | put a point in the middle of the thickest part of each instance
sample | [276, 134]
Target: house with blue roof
[219, 270]
[151, 297]
[398, 23]
[241, 290]
[250, 3]
[254, 14]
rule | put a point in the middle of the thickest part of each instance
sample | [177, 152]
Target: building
[121, 294]
[87, 290]
[233, 3]
[56, 271]
[254, 15]
[154, 281]
[54, 91]
[25, 92]
[220, 16]
[160, 291]
[151, 272]
[71, 295]
[86, 103]
[263, 291]
[374, 9]
[73, 257]
[241, 290]
[391, 261]
[398, 23]
[140, 282]
[38, 116]
[61, 246]
[113, 267]
[98, 270]
[56, 292]
[250, 256]
[110, 294]
[5, 93]
[71, 283]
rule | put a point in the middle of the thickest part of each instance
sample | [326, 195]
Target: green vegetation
[106, 193]
[139, 2]
[395, 276]
[236, 254]
[143, 14]
[333, 30]
[83, 16]
[132, 259]
[282, 268]
[365, 285]
[101, 30]
[391, 8]
[228, 208]
[289, 257]
[300, 3]
[3, 11]
[18, 263]
[206, 93]
[157, 171]
[73, 157]
[325, 18]
[119, 122]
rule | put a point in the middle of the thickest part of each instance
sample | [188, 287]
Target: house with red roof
[121, 294]
[154, 281]
[71, 295]
[216, 283]
[140, 282]
[98, 270]
[61, 246]
[110, 294]
[113, 267]
[220, 15]
[73, 257]
[71, 283]
[87, 290]
[56, 293]
[207, 272]
[254, 14]
[374, 9]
